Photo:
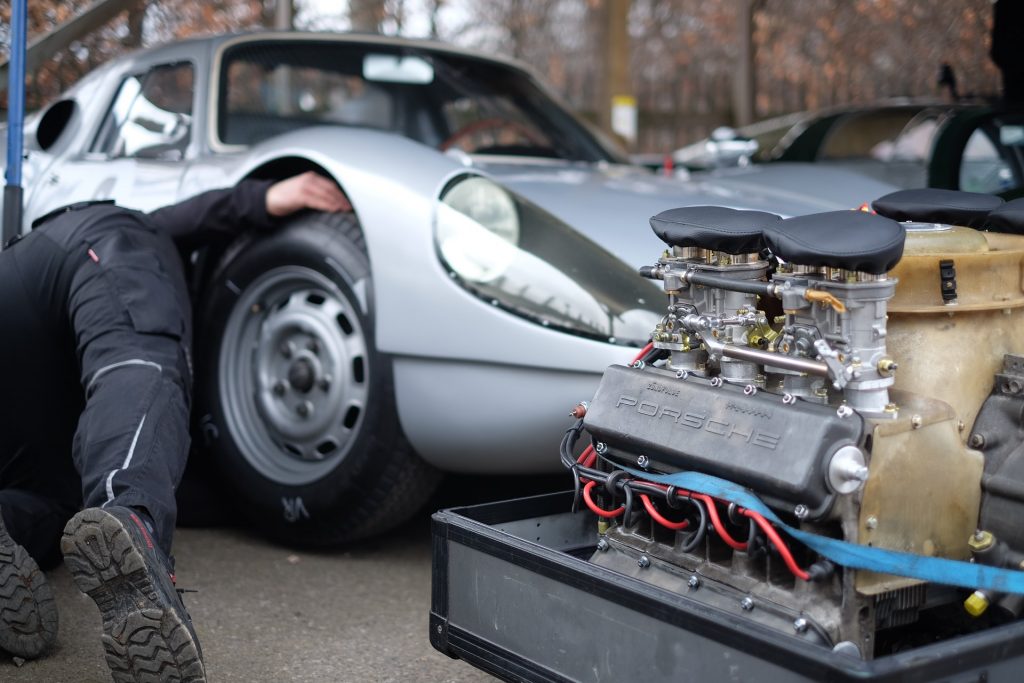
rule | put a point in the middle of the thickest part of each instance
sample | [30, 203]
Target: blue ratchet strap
[881, 560]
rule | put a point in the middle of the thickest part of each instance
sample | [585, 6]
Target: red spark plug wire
[607, 514]
[657, 516]
[587, 457]
[779, 544]
[717, 522]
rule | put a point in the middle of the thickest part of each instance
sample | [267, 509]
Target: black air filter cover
[931, 205]
[1007, 218]
[713, 227]
[854, 240]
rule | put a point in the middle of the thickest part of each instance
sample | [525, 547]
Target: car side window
[151, 115]
[985, 167]
[857, 135]
[268, 88]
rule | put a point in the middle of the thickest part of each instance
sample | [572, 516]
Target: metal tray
[513, 595]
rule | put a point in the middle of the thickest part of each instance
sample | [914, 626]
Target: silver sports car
[482, 283]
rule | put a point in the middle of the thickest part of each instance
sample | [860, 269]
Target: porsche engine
[856, 373]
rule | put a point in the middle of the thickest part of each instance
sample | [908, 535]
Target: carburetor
[771, 370]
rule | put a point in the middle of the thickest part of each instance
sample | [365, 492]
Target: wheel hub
[301, 391]
[302, 375]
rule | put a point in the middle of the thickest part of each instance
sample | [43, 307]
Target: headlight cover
[513, 254]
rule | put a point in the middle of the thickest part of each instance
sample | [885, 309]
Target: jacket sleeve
[216, 213]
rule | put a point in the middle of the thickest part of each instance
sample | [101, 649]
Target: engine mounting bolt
[716, 381]
[279, 388]
[602, 544]
[890, 408]
[981, 541]
[304, 409]
[642, 462]
[871, 522]
[749, 390]
[644, 562]
[693, 582]
[747, 604]
[800, 625]
[844, 411]
[801, 511]
[916, 421]
[601, 447]
[977, 441]
[788, 399]
[639, 364]
[682, 374]
[287, 349]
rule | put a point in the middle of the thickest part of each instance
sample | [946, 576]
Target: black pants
[95, 335]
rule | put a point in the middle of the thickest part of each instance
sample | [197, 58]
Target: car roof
[348, 37]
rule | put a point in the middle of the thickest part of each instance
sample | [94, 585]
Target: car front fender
[394, 184]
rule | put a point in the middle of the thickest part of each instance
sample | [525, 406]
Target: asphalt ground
[264, 612]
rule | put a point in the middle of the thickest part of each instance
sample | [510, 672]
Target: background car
[483, 282]
[911, 144]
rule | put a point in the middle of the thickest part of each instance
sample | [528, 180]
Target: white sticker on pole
[624, 118]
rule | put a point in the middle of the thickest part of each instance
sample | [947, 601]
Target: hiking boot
[28, 614]
[147, 634]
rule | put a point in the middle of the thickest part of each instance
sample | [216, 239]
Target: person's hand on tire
[308, 190]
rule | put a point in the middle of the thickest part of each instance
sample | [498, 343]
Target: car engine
[853, 378]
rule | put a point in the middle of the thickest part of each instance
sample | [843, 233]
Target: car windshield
[862, 135]
[444, 100]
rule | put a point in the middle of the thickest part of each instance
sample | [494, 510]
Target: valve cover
[779, 450]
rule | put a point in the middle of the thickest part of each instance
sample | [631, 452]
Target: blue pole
[15, 122]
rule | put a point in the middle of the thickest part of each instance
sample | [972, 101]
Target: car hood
[611, 204]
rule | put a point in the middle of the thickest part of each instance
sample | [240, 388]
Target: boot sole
[143, 636]
[28, 614]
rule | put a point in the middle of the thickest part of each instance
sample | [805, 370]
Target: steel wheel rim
[293, 374]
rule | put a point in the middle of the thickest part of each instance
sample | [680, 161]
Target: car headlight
[488, 204]
[516, 256]
[477, 229]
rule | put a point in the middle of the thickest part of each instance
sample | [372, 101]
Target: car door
[140, 149]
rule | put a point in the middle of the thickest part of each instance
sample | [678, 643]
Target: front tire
[295, 401]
